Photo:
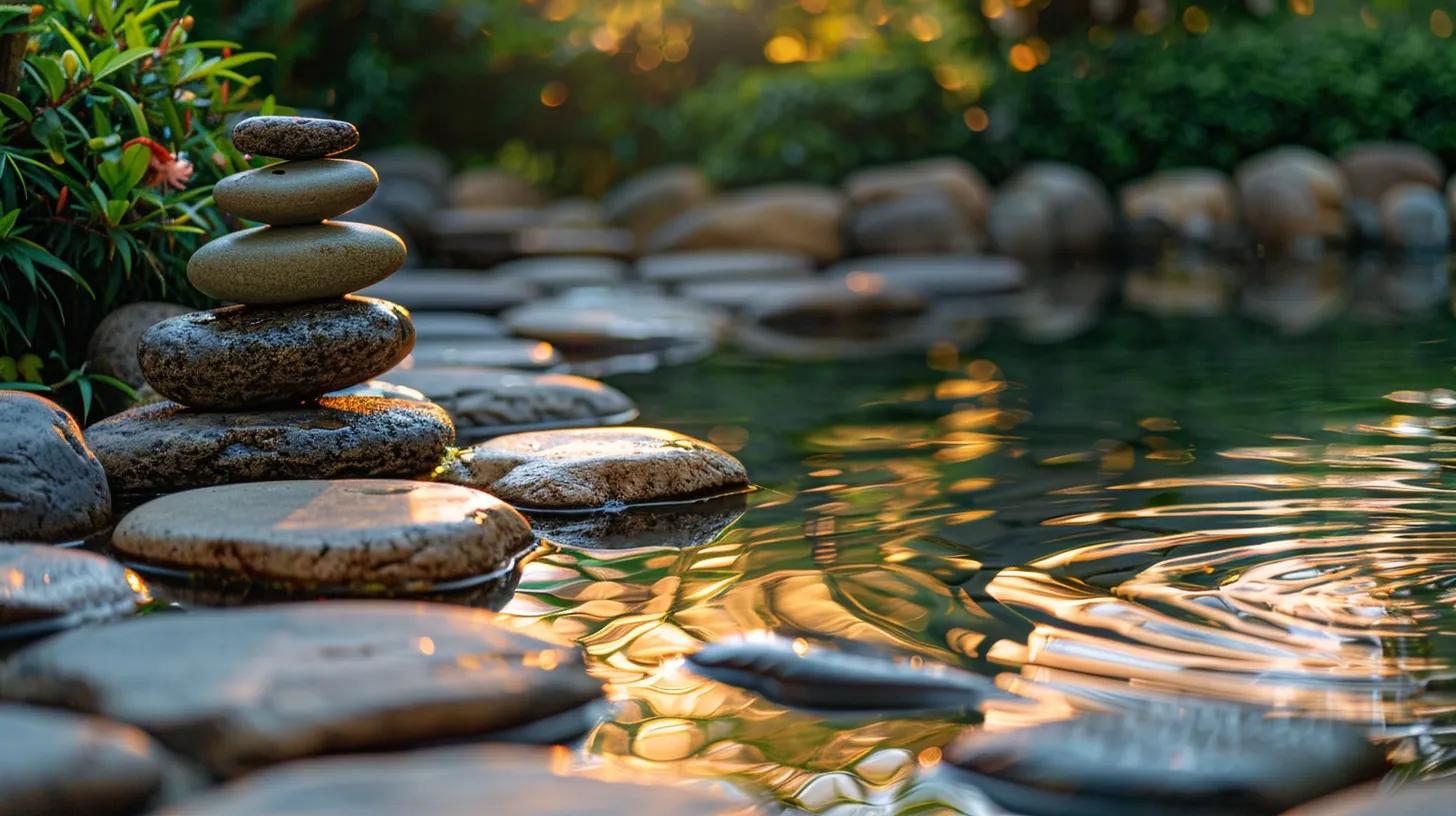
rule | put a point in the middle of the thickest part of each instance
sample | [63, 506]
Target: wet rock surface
[690, 524]
[367, 533]
[499, 352]
[113, 347]
[252, 356]
[1197, 758]
[302, 192]
[586, 468]
[272, 265]
[249, 687]
[52, 488]
[494, 401]
[164, 447]
[445, 782]
[43, 588]
[57, 764]
[294, 137]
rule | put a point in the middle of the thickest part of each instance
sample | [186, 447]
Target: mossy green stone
[272, 265]
[297, 192]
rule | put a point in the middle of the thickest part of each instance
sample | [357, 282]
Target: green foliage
[95, 209]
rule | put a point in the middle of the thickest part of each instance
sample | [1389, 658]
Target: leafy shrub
[110, 140]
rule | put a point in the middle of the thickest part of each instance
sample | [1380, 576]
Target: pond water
[1163, 505]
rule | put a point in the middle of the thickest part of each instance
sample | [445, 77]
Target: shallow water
[1189, 505]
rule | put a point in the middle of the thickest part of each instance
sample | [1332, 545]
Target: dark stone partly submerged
[163, 448]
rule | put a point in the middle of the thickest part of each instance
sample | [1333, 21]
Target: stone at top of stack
[298, 333]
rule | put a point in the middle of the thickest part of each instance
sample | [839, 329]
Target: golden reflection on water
[1084, 568]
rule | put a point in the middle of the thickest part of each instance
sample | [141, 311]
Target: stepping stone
[243, 688]
[934, 275]
[455, 326]
[247, 356]
[301, 192]
[294, 137]
[45, 589]
[447, 782]
[548, 240]
[601, 322]
[736, 296]
[271, 265]
[586, 468]
[555, 273]
[686, 525]
[375, 534]
[113, 347]
[487, 402]
[724, 265]
[503, 352]
[52, 488]
[1410, 799]
[57, 764]
[164, 448]
[452, 290]
[1183, 757]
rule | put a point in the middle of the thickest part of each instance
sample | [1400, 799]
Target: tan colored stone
[485, 188]
[1193, 201]
[301, 192]
[962, 184]
[644, 203]
[592, 467]
[271, 265]
[1372, 168]
[386, 533]
[1292, 197]
[789, 217]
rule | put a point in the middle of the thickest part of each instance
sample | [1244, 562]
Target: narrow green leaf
[73, 42]
[138, 117]
[122, 60]
[15, 106]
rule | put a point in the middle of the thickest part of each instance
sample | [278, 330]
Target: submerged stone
[243, 688]
[683, 525]
[271, 265]
[113, 347]
[301, 192]
[584, 468]
[1184, 757]
[52, 488]
[57, 764]
[43, 588]
[294, 137]
[164, 448]
[241, 356]
[463, 781]
[493, 401]
[387, 534]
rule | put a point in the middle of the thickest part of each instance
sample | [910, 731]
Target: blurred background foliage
[576, 94]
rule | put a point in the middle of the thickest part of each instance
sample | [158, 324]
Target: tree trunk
[12, 56]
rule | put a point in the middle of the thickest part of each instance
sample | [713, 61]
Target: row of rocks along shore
[398, 440]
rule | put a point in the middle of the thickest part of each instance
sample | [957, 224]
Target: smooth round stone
[164, 447]
[452, 290]
[585, 468]
[934, 275]
[243, 356]
[43, 588]
[738, 295]
[294, 137]
[464, 781]
[113, 347]
[52, 488]
[503, 352]
[597, 321]
[301, 192]
[494, 401]
[389, 533]
[240, 688]
[1190, 758]
[53, 763]
[271, 265]
[707, 265]
[554, 273]
[455, 326]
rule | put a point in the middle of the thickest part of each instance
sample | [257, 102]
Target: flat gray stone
[164, 448]
[502, 352]
[583, 468]
[934, 275]
[455, 326]
[301, 192]
[448, 782]
[43, 588]
[273, 265]
[616, 321]
[556, 241]
[57, 764]
[736, 296]
[731, 265]
[243, 688]
[386, 533]
[113, 347]
[452, 290]
[294, 137]
[493, 401]
[52, 488]
[554, 273]
[250, 356]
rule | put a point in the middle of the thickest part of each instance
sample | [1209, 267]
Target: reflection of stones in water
[690, 524]
[1064, 306]
[1386, 290]
[1296, 298]
[1181, 286]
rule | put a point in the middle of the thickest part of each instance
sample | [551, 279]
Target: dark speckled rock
[241, 356]
[51, 487]
[294, 137]
[164, 448]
